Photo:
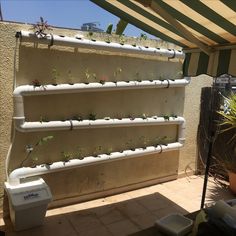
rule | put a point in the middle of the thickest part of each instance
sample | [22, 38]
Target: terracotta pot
[232, 181]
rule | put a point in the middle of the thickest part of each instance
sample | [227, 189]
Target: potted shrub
[228, 129]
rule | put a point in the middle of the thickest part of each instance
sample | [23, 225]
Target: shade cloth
[205, 29]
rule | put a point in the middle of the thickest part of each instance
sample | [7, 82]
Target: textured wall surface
[37, 62]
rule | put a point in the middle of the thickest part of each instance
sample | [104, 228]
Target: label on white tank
[30, 196]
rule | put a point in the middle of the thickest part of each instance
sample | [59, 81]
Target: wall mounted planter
[52, 39]
[24, 172]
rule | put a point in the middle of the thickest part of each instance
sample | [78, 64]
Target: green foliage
[40, 27]
[92, 116]
[30, 149]
[143, 36]
[109, 29]
[66, 156]
[90, 75]
[229, 114]
[55, 76]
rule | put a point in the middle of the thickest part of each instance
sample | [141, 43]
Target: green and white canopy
[205, 29]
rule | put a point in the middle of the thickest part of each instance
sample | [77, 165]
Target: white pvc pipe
[24, 172]
[23, 126]
[30, 90]
[52, 39]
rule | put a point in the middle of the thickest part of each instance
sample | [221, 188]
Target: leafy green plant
[160, 141]
[122, 40]
[129, 145]
[36, 83]
[117, 72]
[90, 75]
[228, 116]
[79, 154]
[66, 156]
[109, 29]
[77, 117]
[41, 27]
[131, 117]
[144, 116]
[31, 148]
[90, 36]
[70, 78]
[55, 76]
[92, 116]
[109, 151]
[97, 151]
[166, 117]
[144, 141]
[143, 36]
[43, 119]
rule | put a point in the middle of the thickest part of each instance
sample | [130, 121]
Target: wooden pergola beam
[186, 33]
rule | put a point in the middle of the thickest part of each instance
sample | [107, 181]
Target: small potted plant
[228, 128]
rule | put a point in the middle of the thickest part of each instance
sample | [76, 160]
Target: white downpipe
[24, 172]
[52, 39]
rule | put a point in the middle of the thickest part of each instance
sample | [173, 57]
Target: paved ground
[125, 213]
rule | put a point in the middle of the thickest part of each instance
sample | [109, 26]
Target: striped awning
[205, 29]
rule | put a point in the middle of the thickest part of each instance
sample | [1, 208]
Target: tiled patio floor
[125, 213]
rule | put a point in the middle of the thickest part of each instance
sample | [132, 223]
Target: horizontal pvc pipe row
[24, 172]
[61, 40]
[23, 126]
[29, 90]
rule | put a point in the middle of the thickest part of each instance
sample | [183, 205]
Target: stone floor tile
[122, 228]
[131, 208]
[57, 225]
[84, 221]
[145, 220]
[154, 202]
[111, 216]
[100, 231]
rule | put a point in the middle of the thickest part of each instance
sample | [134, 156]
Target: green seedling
[92, 116]
[89, 75]
[109, 29]
[36, 83]
[55, 76]
[70, 78]
[77, 117]
[66, 156]
[166, 117]
[43, 119]
[122, 40]
[41, 27]
[117, 71]
[30, 149]
[131, 117]
[97, 151]
[79, 154]
[144, 116]
[109, 150]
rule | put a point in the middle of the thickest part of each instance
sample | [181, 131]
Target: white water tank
[28, 203]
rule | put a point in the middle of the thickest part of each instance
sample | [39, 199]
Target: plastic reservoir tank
[28, 203]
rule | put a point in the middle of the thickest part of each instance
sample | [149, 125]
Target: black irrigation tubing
[168, 85]
[71, 125]
[51, 41]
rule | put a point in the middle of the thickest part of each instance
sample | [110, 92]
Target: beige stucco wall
[37, 62]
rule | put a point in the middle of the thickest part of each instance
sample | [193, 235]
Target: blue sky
[63, 13]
